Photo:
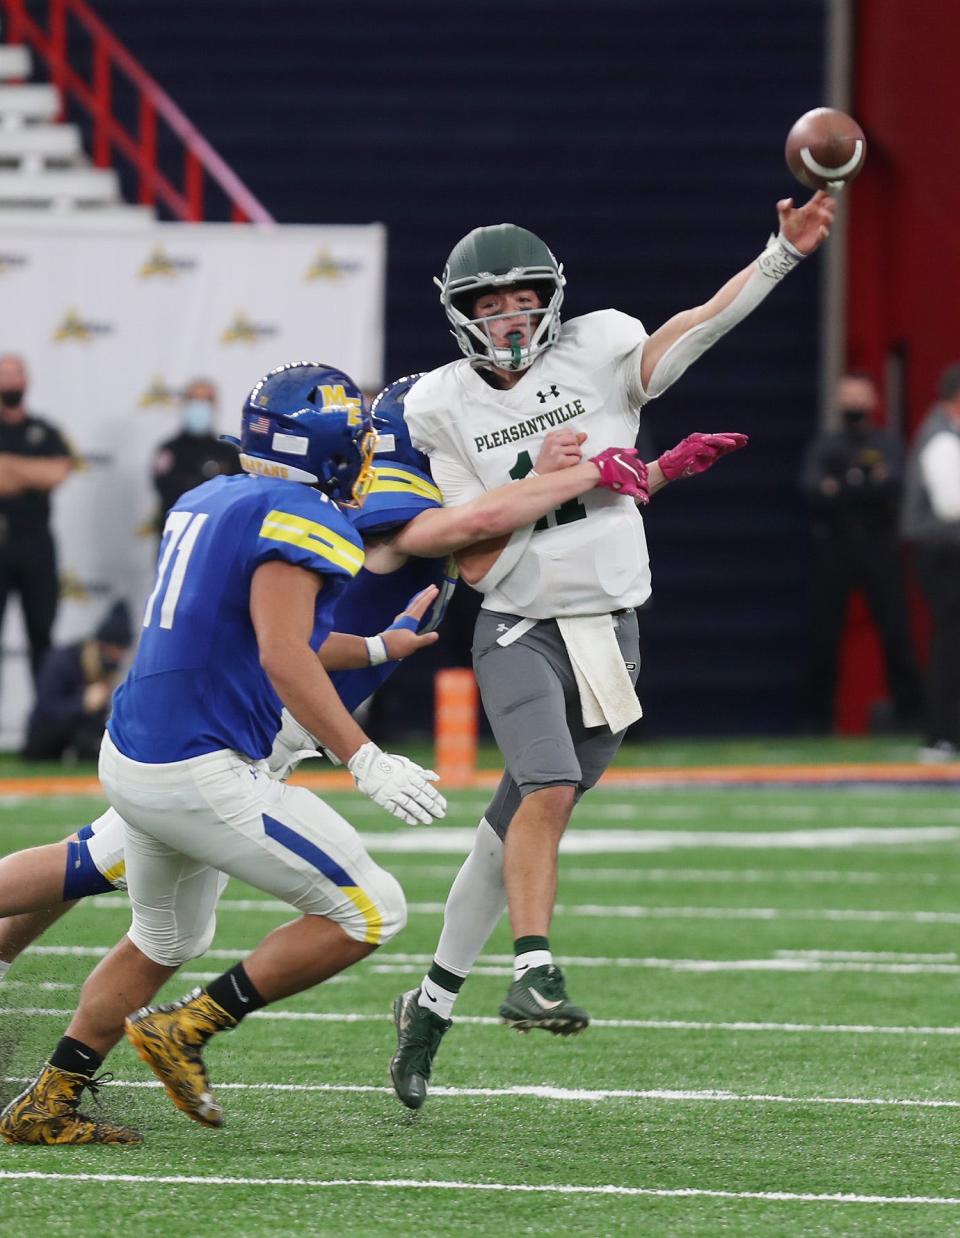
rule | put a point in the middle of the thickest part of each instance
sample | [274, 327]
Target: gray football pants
[531, 699]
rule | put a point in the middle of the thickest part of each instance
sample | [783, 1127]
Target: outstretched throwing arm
[682, 339]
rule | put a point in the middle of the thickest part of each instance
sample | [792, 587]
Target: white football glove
[396, 784]
[292, 744]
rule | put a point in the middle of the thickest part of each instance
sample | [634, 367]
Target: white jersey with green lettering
[588, 556]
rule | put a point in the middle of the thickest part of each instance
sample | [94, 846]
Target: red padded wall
[903, 281]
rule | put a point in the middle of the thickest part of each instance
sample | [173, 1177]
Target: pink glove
[622, 470]
[698, 452]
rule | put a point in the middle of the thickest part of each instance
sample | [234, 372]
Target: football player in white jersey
[555, 649]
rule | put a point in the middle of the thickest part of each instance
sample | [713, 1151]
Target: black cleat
[539, 999]
[419, 1032]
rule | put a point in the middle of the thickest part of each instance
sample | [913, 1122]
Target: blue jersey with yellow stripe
[196, 684]
[371, 601]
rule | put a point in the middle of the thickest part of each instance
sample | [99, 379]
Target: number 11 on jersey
[566, 513]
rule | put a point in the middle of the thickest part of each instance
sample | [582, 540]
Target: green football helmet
[500, 256]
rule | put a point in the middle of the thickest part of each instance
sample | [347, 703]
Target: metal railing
[108, 58]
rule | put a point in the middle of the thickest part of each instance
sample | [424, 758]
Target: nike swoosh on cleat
[542, 1001]
[429, 996]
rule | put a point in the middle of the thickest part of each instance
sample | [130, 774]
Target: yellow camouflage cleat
[169, 1040]
[47, 1113]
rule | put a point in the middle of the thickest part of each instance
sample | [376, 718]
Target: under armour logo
[503, 627]
[543, 396]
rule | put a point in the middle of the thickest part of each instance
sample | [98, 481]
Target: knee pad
[168, 948]
[82, 878]
[378, 912]
[394, 902]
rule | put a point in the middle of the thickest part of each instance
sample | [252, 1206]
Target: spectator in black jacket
[931, 521]
[74, 689]
[852, 478]
[195, 454]
[34, 460]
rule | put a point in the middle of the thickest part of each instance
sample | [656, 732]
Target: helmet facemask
[473, 334]
[366, 477]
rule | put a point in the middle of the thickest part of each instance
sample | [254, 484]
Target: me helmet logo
[334, 399]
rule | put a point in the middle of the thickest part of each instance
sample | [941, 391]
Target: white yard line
[888, 963]
[454, 840]
[440, 839]
[833, 914]
[629, 911]
[527, 1188]
[655, 1025]
[896, 956]
[725, 876]
[548, 1091]
[797, 966]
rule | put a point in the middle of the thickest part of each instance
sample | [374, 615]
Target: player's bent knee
[169, 948]
[194, 947]
[377, 912]
[561, 795]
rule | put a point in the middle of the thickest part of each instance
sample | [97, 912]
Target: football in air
[825, 149]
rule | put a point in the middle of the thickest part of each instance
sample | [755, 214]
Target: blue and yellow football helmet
[307, 422]
[393, 437]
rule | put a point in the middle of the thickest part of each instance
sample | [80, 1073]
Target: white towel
[607, 694]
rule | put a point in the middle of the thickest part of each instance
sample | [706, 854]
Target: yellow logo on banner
[158, 395]
[157, 264]
[335, 400]
[325, 266]
[243, 331]
[73, 327]
[75, 589]
[160, 263]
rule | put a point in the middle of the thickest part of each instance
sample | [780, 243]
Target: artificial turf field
[775, 985]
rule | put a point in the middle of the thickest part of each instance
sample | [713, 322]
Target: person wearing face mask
[851, 479]
[196, 454]
[34, 460]
[930, 520]
[74, 689]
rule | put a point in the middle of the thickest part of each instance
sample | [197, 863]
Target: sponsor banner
[114, 325]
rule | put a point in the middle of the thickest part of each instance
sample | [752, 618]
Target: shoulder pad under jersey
[399, 492]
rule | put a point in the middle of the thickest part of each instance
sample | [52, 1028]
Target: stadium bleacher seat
[43, 168]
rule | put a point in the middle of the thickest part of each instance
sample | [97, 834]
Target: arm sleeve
[772, 265]
[940, 468]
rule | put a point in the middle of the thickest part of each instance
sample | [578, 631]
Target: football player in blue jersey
[250, 571]
[183, 759]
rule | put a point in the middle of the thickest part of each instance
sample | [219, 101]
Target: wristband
[779, 258]
[376, 650]
[404, 621]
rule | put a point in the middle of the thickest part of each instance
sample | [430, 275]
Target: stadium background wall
[903, 259]
[644, 141]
